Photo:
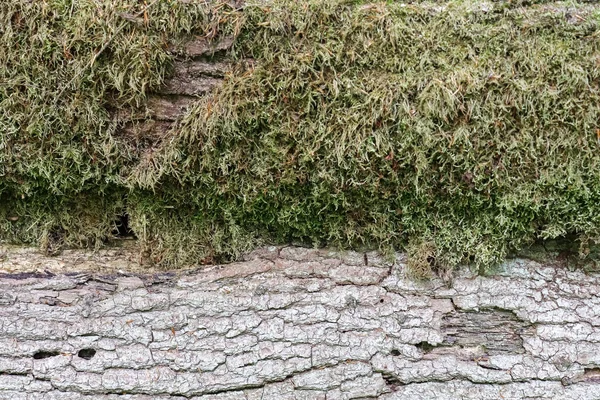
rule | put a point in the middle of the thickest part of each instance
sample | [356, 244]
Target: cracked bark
[199, 67]
[293, 323]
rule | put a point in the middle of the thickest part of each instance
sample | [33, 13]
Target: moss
[54, 222]
[469, 126]
[64, 65]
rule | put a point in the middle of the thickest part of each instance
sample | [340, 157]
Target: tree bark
[199, 67]
[294, 323]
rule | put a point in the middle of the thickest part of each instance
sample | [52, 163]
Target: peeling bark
[292, 323]
[199, 67]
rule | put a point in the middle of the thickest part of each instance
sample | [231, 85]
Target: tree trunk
[293, 323]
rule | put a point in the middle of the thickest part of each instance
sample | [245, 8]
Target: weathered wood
[195, 78]
[204, 47]
[196, 72]
[168, 108]
[292, 323]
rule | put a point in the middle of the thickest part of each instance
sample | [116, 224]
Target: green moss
[471, 127]
[54, 222]
[376, 125]
[64, 65]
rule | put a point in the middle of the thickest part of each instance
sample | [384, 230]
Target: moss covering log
[459, 130]
[75, 84]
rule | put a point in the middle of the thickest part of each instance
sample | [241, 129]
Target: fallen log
[295, 323]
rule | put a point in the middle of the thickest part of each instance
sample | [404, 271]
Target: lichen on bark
[295, 323]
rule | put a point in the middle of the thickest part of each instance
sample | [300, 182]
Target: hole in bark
[425, 347]
[55, 240]
[381, 300]
[391, 381]
[431, 261]
[122, 229]
[395, 352]
[40, 355]
[86, 354]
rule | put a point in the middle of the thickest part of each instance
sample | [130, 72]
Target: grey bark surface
[293, 323]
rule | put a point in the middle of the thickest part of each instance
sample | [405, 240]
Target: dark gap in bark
[122, 229]
[431, 261]
[40, 355]
[27, 275]
[56, 240]
[391, 381]
[395, 352]
[86, 354]
[13, 373]
[591, 374]
[425, 347]
[484, 366]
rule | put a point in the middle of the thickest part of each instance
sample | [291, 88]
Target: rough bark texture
[199, 67]
[292, 323]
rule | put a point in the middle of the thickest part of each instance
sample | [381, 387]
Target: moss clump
[64, 64]
[472, 127]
